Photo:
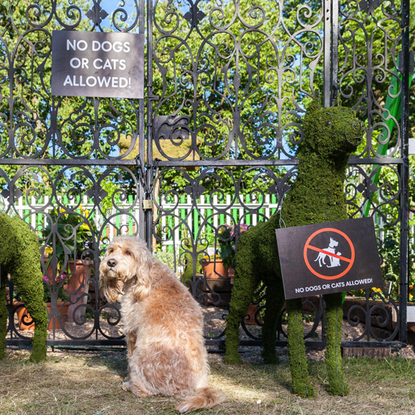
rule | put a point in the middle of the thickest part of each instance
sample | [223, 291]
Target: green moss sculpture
[19, 257]
[317, 196]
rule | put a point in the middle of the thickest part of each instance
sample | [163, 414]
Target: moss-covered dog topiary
[317, 195]
[19, 257]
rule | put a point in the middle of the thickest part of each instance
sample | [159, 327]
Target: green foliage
[190, 268]
[107, 202]
[4, 313]
[167, 258]
[324, 200]
[47, 289]
[390, 253]
[371, 37]
[254, 86]
[75, 233]
[239, 105]
[46, 127]
[48, 286]
[227, 243]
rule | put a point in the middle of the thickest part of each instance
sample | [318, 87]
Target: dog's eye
[110, 251]
[128, 253]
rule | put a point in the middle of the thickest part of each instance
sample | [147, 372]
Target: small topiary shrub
[19, 257]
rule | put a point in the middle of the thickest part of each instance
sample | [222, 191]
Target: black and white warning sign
[96, 64]
[329, 257]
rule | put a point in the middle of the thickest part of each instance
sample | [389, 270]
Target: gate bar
[404, 259]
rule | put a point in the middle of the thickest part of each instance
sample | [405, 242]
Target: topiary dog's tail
[203, 398]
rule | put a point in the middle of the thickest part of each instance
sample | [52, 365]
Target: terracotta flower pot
[216, 279]
[25, 319]
[252, 309]
[214, 269]
[77, 287]
[231, 274]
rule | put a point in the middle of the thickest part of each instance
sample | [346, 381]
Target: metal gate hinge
[147, 204]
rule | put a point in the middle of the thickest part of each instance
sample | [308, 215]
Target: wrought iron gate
[226, 87]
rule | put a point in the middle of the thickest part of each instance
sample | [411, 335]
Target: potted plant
[227, 251]
[74, 233]
[25, 320]
[218, 269]
[227, 245]
[215, 281]
[214, 267]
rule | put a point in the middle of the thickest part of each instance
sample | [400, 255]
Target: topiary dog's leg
[36, 308]
[274, 298]
[241, 298]
[334, 320]
[296, 350]
[20, 257]
[3, 315]
[242, 294]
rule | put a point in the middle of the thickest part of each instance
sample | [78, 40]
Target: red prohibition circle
[351, 260]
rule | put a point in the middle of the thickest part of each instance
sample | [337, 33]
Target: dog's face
[342, 126]
[127, 262]
[333, 132]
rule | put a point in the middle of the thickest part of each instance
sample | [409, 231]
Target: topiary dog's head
[333, 132]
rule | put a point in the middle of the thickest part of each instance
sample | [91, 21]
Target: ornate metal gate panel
[227, 84]
[70, 166]
[231, 79]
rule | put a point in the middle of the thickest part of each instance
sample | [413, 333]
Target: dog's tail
[203, 398]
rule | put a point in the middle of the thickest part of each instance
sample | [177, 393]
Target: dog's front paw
[233, 359]
[303, 389]
[338, 388]
[270, 358]
[128, 387]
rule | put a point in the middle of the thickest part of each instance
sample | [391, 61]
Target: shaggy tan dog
[163, 326]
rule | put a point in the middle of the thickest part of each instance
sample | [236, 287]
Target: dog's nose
[112, 263]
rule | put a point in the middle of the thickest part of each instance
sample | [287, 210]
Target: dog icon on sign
[331, 249]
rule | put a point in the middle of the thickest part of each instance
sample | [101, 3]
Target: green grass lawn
[85, 383]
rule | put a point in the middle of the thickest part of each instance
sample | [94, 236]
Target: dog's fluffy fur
[163, 326]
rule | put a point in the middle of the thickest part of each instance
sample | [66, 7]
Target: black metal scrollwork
[226, 90]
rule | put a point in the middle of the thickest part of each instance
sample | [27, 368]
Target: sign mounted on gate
[96, 64]
[329, 257]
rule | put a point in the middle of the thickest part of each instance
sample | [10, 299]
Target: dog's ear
[143, 273]
[110, 289]
[315, 105]
[109, 285]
